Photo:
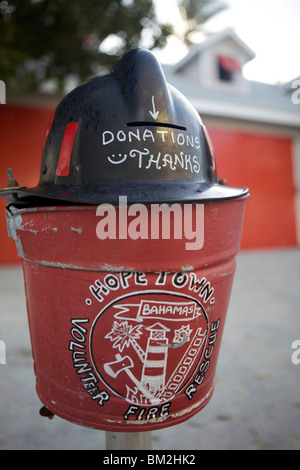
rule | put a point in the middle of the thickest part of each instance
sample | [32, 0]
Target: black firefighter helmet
[128, 133]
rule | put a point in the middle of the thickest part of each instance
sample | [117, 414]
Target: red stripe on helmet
[63, 167]
[48, 128]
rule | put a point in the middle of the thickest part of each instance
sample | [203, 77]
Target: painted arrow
[154, 113]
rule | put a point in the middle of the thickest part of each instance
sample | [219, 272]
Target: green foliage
[197, 12]
[46, 39]
[56, 39]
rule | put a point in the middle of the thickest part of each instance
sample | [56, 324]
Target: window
[228, 68]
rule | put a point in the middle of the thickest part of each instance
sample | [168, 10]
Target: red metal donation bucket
[125, 332]
[126, 313]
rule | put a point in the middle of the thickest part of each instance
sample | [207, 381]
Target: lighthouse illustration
[154, 370]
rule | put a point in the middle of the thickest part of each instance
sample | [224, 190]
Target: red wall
[261, 162]
[22, 131]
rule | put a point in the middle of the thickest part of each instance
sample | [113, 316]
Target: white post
[128, 440]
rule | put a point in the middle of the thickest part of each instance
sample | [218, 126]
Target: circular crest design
[146, 345]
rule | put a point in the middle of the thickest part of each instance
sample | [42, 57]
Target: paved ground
[256, 403]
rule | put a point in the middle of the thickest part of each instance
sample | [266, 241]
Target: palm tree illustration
[124, 335]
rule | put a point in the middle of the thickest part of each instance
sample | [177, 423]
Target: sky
[271, 28]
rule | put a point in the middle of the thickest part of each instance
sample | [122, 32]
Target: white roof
[261, 102]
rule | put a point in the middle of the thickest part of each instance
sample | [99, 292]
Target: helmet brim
[109, 192]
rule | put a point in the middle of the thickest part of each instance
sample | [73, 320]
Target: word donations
[154, 221]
